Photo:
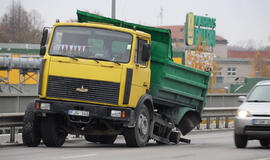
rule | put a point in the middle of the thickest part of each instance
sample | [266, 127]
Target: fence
[13, 120]
[17, 102]
[12, 109]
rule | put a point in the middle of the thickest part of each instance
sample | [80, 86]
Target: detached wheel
[264, 143]
[31, 127]
[175, 137]
[138, 136]
[240, 141]
[106, 139]
[53, 131]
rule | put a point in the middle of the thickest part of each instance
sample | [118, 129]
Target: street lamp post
[113, 9]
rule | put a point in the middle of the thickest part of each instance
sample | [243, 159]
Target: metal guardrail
[217, 113]
[17, 102]
[13, 120]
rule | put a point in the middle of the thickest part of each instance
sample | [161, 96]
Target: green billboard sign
[200, 29]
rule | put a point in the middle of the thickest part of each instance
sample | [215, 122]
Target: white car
[252, 121]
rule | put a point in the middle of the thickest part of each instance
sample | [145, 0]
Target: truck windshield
[91, 43]
[260, 94]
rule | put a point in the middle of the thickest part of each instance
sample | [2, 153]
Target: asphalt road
[204, 146]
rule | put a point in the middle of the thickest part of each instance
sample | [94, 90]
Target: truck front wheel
[31, 131]
[53, 131]
[138, 136]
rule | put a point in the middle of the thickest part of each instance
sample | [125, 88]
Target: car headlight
[242, 113]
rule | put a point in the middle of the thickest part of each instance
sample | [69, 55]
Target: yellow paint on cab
[102, 71]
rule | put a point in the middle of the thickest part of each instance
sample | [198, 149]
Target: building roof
[178, 32]
[246, 54]
[238, 61]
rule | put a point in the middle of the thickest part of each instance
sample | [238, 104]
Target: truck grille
[82, 89]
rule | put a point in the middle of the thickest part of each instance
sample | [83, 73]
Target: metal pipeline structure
[28, 67]
[24, 63]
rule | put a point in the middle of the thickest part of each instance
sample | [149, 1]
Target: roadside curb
[211, 130]
[10, 144]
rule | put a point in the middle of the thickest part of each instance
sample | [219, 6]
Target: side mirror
[43, 42]
[242, 98]
[44, 37]
[146, 52]
[42, 50]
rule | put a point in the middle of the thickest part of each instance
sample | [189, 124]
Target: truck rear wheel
[53, 131]
[105, 139]
[31, 130]
[138, 136]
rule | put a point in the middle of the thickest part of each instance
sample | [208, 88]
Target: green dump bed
[172, 85]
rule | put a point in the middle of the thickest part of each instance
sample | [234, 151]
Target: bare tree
[259, 67]
[19, 26]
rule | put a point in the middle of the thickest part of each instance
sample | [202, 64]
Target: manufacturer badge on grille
[82, 89]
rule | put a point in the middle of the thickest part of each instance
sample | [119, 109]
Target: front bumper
[246, 126]
[95, 111]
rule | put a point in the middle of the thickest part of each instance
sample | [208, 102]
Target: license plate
[261, 121]
[78, 113]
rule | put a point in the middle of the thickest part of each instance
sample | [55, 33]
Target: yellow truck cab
[98, 61]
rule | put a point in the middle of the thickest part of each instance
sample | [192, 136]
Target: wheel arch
[146, 99]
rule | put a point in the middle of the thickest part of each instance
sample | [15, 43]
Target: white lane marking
[79, 156]
[264, 159]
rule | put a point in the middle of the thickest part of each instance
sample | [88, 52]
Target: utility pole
[113, 9]
[161, 16]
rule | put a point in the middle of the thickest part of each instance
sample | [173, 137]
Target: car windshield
[260, 94]
[91, 43]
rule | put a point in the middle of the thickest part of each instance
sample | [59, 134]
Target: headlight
[116, 113]
[242, 113]
[45, 106]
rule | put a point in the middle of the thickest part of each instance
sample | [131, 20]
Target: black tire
[105, 139]
[138, 136]
[53, 132]
[160, 143]
[264, 142]
[240, 141]
[31, 127]
[91, 138]
[175, 137]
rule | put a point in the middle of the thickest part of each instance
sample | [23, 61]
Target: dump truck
[102, 77]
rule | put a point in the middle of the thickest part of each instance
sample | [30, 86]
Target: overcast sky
[237, 20]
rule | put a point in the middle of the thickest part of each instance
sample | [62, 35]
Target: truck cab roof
[105, 26]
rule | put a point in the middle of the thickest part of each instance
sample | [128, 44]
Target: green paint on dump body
[176, 89]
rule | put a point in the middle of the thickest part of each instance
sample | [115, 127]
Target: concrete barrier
[10, 103]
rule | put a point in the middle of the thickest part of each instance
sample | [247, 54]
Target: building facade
[233, 65]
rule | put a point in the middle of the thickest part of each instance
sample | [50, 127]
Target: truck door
[141, 73]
